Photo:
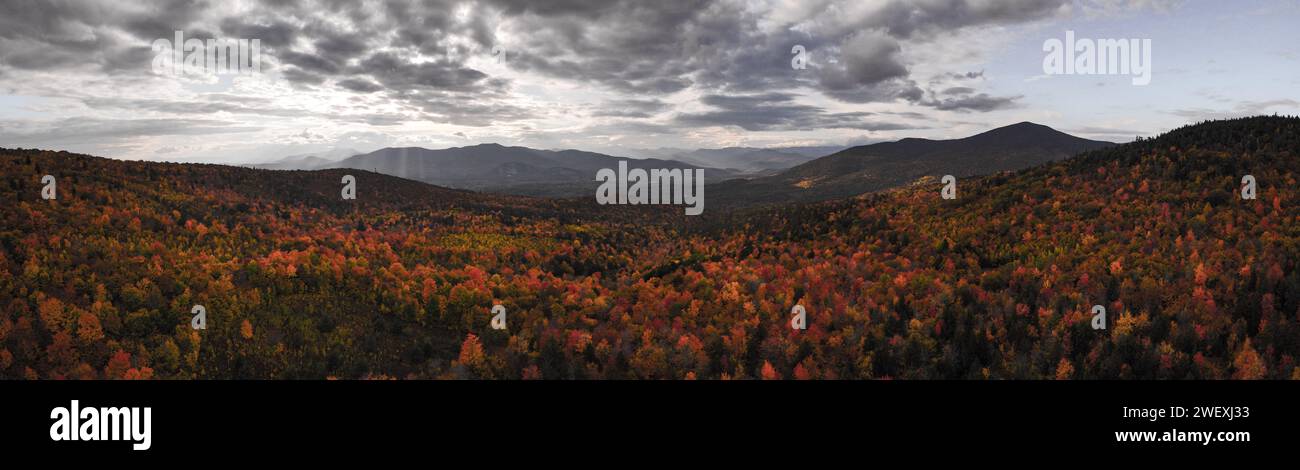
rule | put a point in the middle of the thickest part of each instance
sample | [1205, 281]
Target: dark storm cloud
[867, 58]
[416, 54]
[966, 102]
[779, 112]
[360, 85]
[395, 72]
[273, 34]
[341, 45]
[161, 19]
[891, 90]
[964, 76]
[637, 47]
[904, 19]
[659, 48]
[580, 8]
[302, 77]
[53, 34]
[401, 51]
[310, 62]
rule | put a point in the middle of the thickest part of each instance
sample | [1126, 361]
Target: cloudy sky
[609, 75]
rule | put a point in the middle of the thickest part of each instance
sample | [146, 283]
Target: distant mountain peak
[886, 165]
[1027, 133]
[1027, 124]
[497, 167]
[1022, 127]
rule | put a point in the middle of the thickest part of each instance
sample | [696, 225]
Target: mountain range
[887, 165]
[535, 172]
[1198, 280]
[738, 176]
[308, 161]
[498, 168]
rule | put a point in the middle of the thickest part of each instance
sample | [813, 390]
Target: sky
[616, 76]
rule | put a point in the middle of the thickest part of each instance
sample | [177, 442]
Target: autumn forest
[999, 283]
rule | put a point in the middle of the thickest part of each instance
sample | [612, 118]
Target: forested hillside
[885, 165]
[998, 283]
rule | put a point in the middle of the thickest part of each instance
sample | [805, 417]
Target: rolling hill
[309, 161]
[886, 165]
[511, 170]
[1198, 282]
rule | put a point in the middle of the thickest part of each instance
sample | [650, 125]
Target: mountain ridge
[885, 165]
[506, 169]
[999, 283]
